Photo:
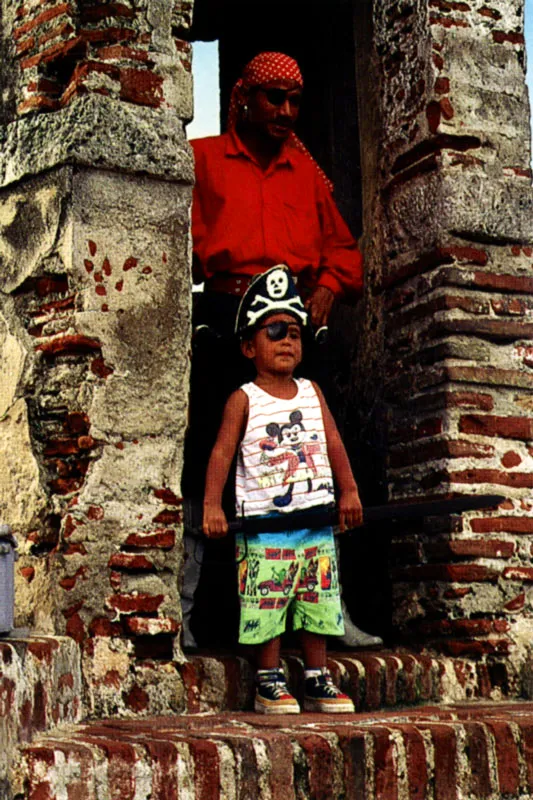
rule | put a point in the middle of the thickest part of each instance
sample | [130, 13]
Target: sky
[205, 71]
[206, 95]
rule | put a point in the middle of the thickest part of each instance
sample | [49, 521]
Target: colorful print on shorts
[294, 571]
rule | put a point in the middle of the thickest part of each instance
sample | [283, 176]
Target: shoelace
[276, 683]
[325, 680]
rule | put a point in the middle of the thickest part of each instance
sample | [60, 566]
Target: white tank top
[283, 462]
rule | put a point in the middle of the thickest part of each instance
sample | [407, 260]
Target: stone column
[449, 238]
[95, 177]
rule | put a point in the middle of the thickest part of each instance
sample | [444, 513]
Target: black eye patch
[276, 97]
[276, 331]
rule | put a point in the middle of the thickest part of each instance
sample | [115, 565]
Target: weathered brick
[509, 305]
[478, 750]
[504, 282]
[473, 305]
[503, 36]
[430, 451]
[455, 573]
[146, 626]
[137, 699]
[168, 497]
[416, 430]
[479, 400]
[505, 524]
[118, 52]
[28, 573]
[457, 592]
[488, 375]
[487, 11]
[164, 758]
[162, 539]
[207, 769]
[495, 328]
[519, 480]
[516, 604]
[444, 738]
[100, 368]
[167, 517]
[63, 30]
[54, 53]
[457, 627]
[385, 757]
[102, 626]
[69, 344]
[518, 574]
[442, 85]
[463, 548]
[473, 647]
[45, 16]
[134, 603]
[142, 87]
[130, 561]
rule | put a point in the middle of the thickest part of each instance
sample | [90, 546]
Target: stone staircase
[430, 753]
[426, 728]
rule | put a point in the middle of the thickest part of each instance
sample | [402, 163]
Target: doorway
[323, 41]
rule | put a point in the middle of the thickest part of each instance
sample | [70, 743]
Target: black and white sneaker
[272, 695]
[322, 695]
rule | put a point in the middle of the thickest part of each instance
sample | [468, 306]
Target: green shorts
[296, 570]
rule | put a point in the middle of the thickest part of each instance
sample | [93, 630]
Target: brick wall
[95, 188]
[449, 242]
[67, 50]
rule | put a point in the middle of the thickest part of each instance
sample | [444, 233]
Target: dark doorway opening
[322, 38]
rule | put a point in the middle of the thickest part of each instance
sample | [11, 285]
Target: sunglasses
[276, 331]
[277, 97]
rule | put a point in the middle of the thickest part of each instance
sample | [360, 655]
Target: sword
[297, 520]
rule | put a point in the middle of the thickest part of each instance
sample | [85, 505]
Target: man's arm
[341, 262]
[229, 435]
[348, 502]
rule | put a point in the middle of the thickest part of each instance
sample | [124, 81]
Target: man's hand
[318, 305]
[350, 510]
[215, 524]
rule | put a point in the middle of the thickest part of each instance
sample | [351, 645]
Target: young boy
[289, 453]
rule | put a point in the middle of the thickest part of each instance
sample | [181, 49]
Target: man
[260, 199]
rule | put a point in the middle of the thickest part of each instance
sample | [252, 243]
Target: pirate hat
[271, 292]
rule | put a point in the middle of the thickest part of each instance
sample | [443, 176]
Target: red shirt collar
[236, 147]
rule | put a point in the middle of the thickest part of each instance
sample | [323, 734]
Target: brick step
[471, 750]
[40, 687]
[373, 679]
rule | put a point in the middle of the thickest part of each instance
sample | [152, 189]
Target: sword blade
[297, 520]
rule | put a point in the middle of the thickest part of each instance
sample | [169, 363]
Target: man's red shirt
[245, 219]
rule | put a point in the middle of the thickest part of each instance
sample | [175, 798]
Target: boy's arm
[349, 504]
[229, 435]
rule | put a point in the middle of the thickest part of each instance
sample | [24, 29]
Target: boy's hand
[350, 510]
[215, 524]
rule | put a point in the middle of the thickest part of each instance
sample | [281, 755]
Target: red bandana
[263, 68]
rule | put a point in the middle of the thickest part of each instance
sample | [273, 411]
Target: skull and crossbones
[277, 284]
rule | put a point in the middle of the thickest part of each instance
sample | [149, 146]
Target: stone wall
[95, 177]
[449, 244]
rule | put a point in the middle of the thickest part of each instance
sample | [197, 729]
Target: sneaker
[272, 695]
[321, 694]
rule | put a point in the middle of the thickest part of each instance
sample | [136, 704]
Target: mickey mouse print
[283, 463]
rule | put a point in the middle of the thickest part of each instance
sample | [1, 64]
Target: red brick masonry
[438, 753]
